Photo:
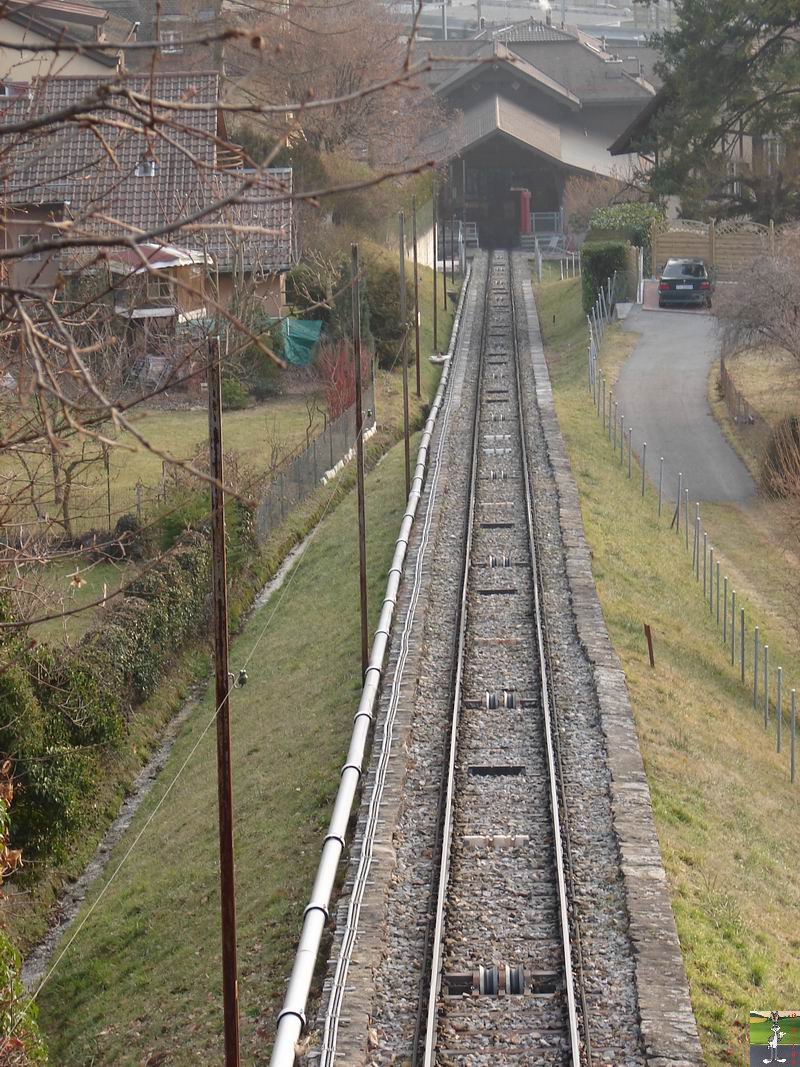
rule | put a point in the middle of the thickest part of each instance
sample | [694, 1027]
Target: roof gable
[499, 55]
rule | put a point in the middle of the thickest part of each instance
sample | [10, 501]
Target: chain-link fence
[302, 474]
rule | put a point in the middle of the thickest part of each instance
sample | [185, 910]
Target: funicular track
[505, 808]
[502, 975]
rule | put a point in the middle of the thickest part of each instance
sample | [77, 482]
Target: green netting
[300, 339]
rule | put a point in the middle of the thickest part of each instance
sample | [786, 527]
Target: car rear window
[685, 270]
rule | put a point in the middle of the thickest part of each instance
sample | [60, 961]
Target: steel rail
[332, 1015]
[446, 822]
[292, 1018]
[547, 714]
[428, 1058]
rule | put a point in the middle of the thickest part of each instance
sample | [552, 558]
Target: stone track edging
[668, 1026]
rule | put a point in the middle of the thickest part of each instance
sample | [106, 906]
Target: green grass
[725, 811]
[143, 976]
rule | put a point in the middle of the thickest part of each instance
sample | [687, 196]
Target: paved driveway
[662, 391]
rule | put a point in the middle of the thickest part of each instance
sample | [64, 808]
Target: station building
[527, 108]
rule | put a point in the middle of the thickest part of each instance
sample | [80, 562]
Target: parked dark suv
[685, 281]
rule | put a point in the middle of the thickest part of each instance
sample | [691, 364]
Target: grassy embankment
[143, 976]
[725, 812]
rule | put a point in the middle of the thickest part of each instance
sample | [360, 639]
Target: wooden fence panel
[728, 246]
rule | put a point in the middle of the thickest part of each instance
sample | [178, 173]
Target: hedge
[70, 704]
[630, 222]
[598, 263]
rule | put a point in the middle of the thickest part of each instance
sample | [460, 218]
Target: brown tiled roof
[91, 161]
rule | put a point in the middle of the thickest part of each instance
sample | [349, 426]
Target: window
[158, 288]
[29, 239]
[774, 153]
[145, 168]
[170, 43]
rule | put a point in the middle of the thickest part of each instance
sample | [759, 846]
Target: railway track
[488, 836]
[502, 975]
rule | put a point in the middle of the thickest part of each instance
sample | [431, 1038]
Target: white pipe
[292, 1016]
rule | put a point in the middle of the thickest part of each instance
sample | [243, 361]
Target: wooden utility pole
[435, 290]
[416, 289]
[444, 267]
[404, 342]
[362, 523]
[230, 987]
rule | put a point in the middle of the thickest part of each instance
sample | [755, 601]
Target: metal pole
[362, 522]
[230, 986]
[435, 290]
[725, 614]
[686, 492]
[678, 509]
[755, 667]
[644, 462]
[766, 687]
[711, 580]
[794, 736]
[705, 562]
[630, 449]
[416, 288]
[733, 628]
[621, 439]
[717, 592]
[615, 426]
[603, 380]
[453, 251]
[404, 342]
[778, 711]
[741, 641]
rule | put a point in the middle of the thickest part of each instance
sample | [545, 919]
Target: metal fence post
[725, 613]
[678, 509]
[621, 439]
[717, 592]
[794, 735]
[686, 498]
[644, 462]
[660, 483]
[778, 712]
[755, 667]
[615, 426]
[705, 562]
[630, 449]
[766, 687]
[741, 641]
[733, 628]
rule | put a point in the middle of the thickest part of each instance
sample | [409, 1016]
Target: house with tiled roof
[58, 37]
[147, 161]
[528, 106]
